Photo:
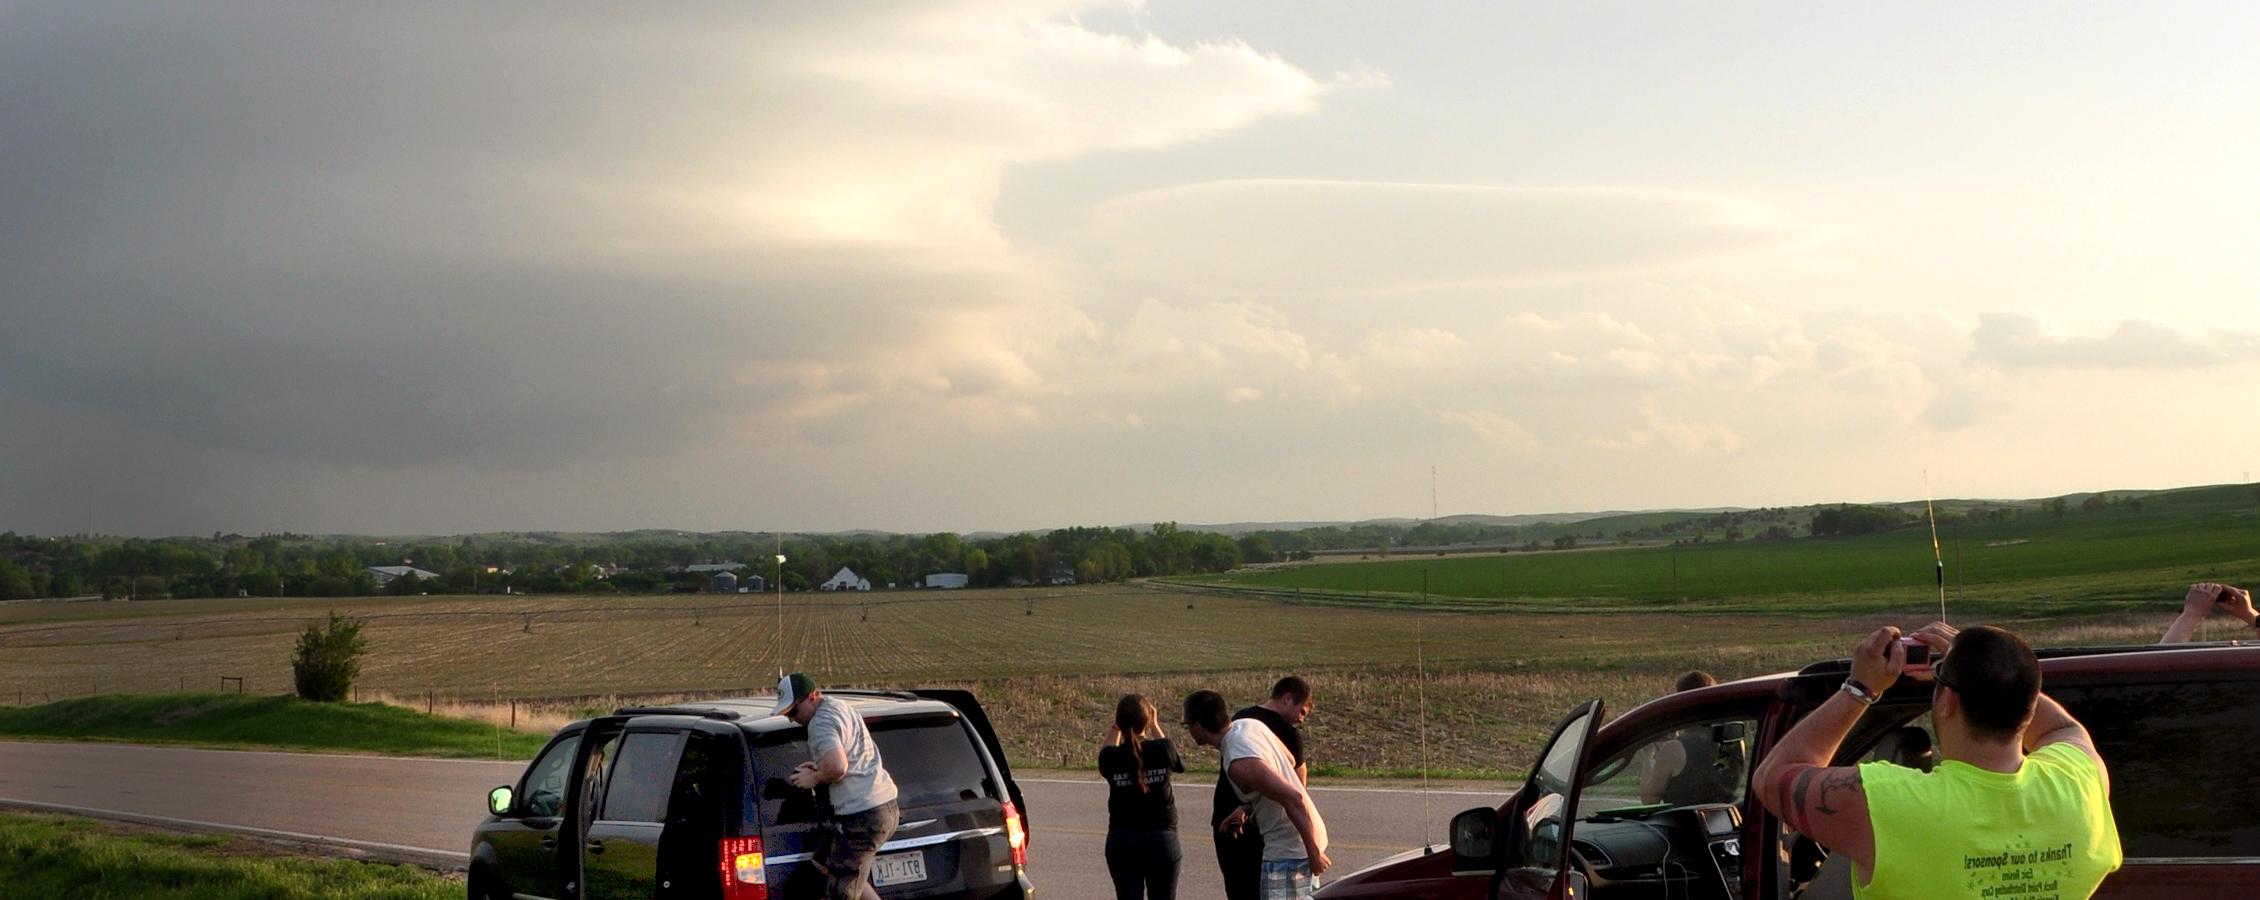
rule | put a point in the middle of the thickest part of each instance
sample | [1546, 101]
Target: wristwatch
[1860, 692]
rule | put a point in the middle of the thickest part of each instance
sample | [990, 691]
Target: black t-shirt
[1129, 809]
[1226, 800]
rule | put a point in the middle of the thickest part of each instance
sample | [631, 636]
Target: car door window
[542, 793]
[2176, 752]
[641, 776]
[1553, 783]
[1699, 762]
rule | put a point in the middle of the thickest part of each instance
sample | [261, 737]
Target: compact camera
[1918, 653]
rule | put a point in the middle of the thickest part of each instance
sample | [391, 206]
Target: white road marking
[1502, 793]
[223, 826]
[293, 754]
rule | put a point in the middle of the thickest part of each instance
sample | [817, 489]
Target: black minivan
[690, 800]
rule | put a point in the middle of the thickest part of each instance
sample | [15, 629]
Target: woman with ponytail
[1136, 758]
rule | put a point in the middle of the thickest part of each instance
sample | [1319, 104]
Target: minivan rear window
[932, 758]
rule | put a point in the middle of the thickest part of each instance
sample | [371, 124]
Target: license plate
[901, 868]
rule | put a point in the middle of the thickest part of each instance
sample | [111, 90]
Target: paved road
[423, 809]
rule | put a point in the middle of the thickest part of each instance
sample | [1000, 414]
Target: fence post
[431, 700]
[513, 715]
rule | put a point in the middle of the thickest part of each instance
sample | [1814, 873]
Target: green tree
[1256, 548]
[328, 659]
[15, 583]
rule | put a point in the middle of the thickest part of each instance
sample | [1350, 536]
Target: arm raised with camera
[2204, 599]
[1823, 802]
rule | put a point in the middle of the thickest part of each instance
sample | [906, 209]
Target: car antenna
[1936, 554]
[1420, 690]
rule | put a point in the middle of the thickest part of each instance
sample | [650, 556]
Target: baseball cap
[791, 689]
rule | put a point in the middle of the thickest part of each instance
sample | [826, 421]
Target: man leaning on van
[2019, 804]
[864, 813]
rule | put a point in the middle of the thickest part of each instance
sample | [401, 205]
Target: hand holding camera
[1881, 658]
[2207, 597]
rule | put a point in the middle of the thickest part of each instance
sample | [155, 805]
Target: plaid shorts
[1287, 879]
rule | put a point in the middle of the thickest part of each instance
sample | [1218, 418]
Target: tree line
[276, 565]
[296, 565]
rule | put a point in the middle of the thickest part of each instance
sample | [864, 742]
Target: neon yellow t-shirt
[2043, 833]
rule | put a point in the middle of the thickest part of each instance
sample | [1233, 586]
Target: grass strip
[237, 721]
[65, 856]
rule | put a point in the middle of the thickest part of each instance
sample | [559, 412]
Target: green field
[63, 856]
[1504, 645]
[233, 720]
[2083, 561]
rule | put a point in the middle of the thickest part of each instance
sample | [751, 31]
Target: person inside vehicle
[2019, 797]
[1715, 769]
[2206, 598]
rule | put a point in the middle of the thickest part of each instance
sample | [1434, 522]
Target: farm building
[385, 574]
[846, 580]
[949, 580]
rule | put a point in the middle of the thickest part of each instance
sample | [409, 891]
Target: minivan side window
[2175, 755]
[542, 793]
[781, 803]
[641, 777]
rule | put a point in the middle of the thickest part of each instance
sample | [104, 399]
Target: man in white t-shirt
[864, 812]
[1263, 774]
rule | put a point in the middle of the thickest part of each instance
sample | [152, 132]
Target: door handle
[596, 847]
[549, 842]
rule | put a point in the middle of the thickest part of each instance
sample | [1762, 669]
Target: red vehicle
[2176, 724]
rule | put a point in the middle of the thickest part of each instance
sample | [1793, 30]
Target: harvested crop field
[1049, 662]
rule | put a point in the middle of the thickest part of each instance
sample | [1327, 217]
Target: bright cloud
[459, 267]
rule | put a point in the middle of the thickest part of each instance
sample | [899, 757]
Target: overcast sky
[998, 265]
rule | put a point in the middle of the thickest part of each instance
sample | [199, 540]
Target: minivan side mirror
[498, 800]
[1475, 841]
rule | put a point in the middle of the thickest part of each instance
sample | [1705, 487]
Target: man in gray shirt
[864, 814]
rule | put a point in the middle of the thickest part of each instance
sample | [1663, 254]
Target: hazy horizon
[1559, 516]
[997, 265]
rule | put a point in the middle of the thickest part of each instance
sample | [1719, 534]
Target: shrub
[328, 659]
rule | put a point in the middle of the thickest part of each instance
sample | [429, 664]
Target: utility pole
[1432, 492]
[780, 598]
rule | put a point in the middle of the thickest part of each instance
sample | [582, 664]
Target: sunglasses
[1938, 674]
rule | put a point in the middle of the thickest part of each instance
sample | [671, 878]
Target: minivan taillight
[744, 875]
[1015, 835]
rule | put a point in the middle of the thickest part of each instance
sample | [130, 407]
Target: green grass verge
[278, 722]
[62, 856]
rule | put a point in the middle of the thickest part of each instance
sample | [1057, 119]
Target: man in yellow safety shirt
[2018, 807]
